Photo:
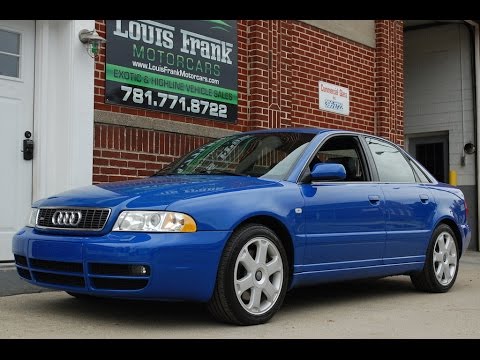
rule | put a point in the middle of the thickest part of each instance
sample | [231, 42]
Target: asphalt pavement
[12, 284]
[383, 308]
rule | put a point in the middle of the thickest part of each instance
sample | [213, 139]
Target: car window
[420, 174]
[342, 150]
[391, 164]
[286, 163]
[269, 155]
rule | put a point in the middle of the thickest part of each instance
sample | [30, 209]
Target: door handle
[424, 198]
[374, 199]
[27, 146]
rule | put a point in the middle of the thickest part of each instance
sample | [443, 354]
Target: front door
[344, 220]
[16, 117]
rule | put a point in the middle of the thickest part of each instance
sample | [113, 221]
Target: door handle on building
[27, 146]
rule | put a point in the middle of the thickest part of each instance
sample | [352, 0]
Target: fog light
[138, 270]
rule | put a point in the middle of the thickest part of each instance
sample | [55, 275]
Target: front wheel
[252, 277]
[441, 265]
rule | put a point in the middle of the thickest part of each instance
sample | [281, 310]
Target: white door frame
[477, 100]
[63, 108]
[17, 94]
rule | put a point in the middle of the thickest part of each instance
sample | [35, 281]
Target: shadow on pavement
[179, 314]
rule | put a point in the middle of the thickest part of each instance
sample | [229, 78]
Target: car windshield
[268, 155]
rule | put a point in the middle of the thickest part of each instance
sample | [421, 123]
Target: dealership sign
[186, 67]
[333, 98]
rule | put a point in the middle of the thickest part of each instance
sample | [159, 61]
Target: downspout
[475, 43]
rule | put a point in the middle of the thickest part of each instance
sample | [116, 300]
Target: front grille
[57, 266]
[58, 279]
[100, 276]
[92, 219]
[21, 260]
[24, 273]
[119, 284]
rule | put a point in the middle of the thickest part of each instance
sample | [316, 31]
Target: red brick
[147, 157]
[128, 110]
[136, 164]
[100, 161]
[110, 154]
[152, 166]
[131, 156]
[118, 163]
[122, 138]
[139, 140]
[128, 139]
[109, 170]
[165, 159]
[131, 172]
[100, 178]
[110, 137]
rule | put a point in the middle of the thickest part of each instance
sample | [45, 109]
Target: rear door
[409, 204]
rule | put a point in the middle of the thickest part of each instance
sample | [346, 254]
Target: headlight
[154, 221]
[32, 219]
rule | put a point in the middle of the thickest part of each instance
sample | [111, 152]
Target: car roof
[305, 130]
[290, 130]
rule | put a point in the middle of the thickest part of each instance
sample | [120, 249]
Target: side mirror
[328, 171]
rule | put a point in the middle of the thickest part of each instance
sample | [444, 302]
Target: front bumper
[181, 266]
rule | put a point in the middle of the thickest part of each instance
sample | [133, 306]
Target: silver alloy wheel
[445, 258]
[258, 275]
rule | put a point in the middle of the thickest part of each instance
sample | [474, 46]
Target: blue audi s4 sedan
[241, 220]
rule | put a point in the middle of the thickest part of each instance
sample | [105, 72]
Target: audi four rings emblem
[67, 218]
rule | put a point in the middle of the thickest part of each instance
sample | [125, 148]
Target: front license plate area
[55, 250]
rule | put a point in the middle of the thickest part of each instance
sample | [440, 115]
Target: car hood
[154, 192]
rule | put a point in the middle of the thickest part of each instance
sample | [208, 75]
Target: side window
[343, 150]
[390, 163]
[420, 174]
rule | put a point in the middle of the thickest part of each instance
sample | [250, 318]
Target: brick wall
[279, 65]
[389, 79]
[320, 56]
[122, 153]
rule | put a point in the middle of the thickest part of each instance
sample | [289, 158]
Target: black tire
[426, 279]
[80, 296]
[224, 304]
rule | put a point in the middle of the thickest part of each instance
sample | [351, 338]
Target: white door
[16, 117]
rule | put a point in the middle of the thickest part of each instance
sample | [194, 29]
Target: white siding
[434, 59]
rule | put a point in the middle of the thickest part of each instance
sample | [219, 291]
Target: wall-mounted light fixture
[468, 149]
[92, 41]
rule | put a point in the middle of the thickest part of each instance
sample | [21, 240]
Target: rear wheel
[441, 265]
[252, 277]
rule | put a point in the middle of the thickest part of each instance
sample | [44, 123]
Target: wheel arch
[452, 225]
[279, 228]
